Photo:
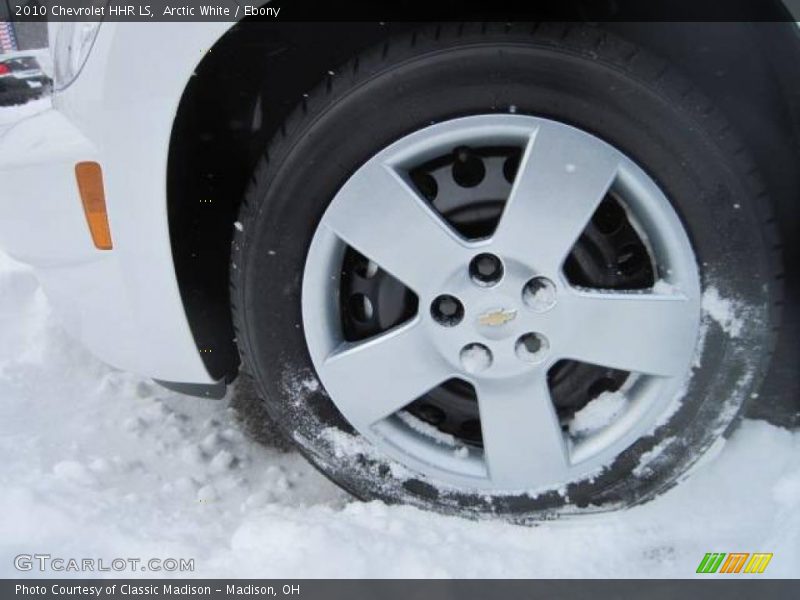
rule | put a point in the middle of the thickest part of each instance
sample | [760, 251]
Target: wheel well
[258, 72]
[239, 95]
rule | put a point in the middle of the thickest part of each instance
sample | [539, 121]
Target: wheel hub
[491, 316]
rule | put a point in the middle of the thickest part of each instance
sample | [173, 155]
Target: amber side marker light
[93, 196]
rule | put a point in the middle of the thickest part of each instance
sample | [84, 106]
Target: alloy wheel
[453, 273]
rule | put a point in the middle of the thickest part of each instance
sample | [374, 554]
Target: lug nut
[486, 269]
[532, 347]
[475, 358]
[447, 310]
[468, 170]
[539, 294]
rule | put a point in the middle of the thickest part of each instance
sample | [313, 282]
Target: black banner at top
[399, 10]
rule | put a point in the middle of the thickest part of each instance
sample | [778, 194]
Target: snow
[647, 458]
[540, 294]
[433, 433]
[102, 464]
[427, 429]
[598, 413]
[724, 311]
[11, 114]
[663, 287]
[475, 358]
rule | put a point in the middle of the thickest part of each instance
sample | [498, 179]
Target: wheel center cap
[496, 322]
[497, 317]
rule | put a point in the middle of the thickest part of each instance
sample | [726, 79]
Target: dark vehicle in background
[21, 80]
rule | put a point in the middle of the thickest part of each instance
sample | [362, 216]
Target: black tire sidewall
[668, 140]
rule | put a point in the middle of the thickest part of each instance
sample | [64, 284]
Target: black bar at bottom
[716, 587]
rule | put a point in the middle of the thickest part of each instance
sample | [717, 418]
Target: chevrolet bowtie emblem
[495, 318]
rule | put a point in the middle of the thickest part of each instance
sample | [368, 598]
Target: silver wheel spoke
[522, 439]
[382, 375]
[381, 216]
[562, 178]
[642, 332]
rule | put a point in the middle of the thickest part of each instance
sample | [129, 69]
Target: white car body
[123, 304]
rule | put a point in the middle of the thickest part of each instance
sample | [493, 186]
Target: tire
[574, 75]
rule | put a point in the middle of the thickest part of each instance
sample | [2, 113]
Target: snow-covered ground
[103, 464]
[9, 115]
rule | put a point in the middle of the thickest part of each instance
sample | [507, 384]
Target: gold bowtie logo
[495, 318]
